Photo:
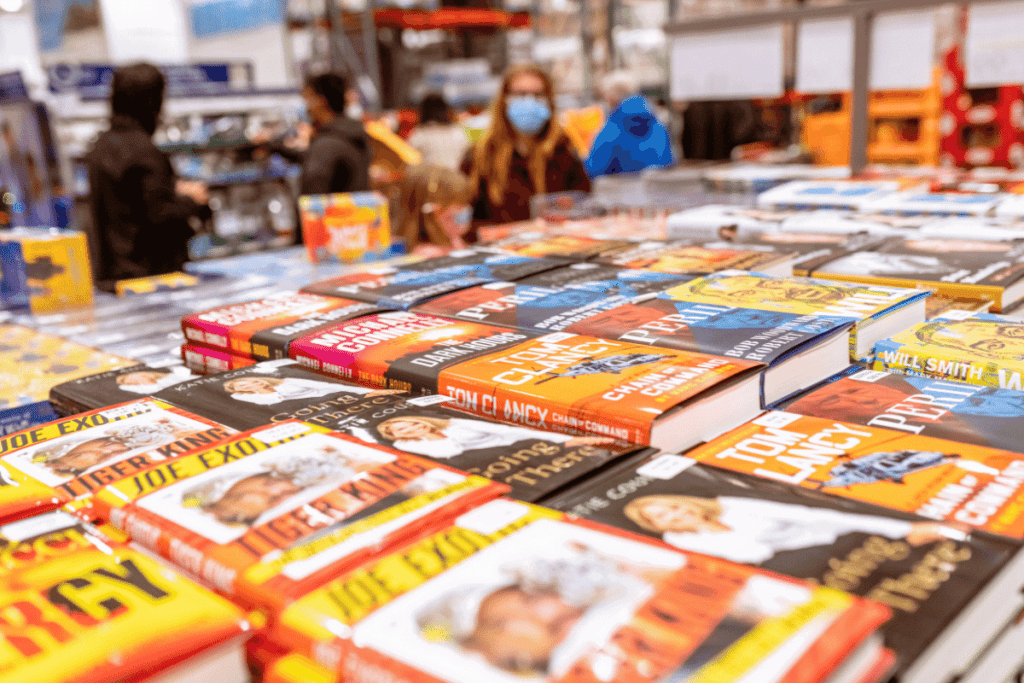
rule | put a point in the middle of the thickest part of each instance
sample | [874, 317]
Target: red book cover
[203, 360]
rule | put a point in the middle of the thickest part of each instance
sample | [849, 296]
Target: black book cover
[812, 248]
[606, 279]
[114, 387]
[926, 572]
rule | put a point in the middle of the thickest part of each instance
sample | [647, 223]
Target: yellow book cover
[50, 267]
[154, 283]
[80, 606]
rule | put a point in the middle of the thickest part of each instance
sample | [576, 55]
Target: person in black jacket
[338, 157]
[140, 212]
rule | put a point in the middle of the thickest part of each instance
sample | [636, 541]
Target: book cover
[413, 283]
[45, 269]
[81, 606]
[155, 283]
[203, 360]
[605, 279]
[934, 478]
[546, 245]
[718, 221]
[512, 592]
[347, 227]
[404, 351]
[808, 248]
[860, 304]
[862, 549]
[966, 413]
[852, 195]
[274, 512]
[982, 349]
[44, 467]
[976, 269]
[935, 204]
[579, 384]
[114, 386]
[686, 257]
[263, 329]
[940, 305]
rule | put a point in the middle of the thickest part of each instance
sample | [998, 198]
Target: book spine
[913, 360]
[207, 361]
[206, 334]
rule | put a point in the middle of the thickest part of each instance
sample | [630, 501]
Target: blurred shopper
[632, 138]
[338, 156]
[433, 213]
[523, 153]
[440, 140]
[140, 212]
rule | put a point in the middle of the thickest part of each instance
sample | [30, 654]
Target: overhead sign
[824, 55]
[91, 81]
[724, 65]
[994, 48]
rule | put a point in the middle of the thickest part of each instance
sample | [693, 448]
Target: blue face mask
[527, 114]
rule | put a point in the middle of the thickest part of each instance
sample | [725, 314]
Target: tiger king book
[82, 606]
[399, 350]
[534, 462]
[276, 511]
[940, 617]
[262, 329]
[583, 385]
[934, 478]
[687, 257]
[512, 592]
[876, 312]
[114, 386]
[44, 467]
[982, 349]
[409, 284]
[966, 413]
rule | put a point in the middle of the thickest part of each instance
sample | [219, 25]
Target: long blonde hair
[437, 423]
[710, 509]
[492, 156]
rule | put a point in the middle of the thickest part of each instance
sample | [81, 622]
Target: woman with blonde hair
[524, 152]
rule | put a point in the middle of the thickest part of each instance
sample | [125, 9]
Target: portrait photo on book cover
[60, 460]
[533, 606]
[151, 380]
[225, 502]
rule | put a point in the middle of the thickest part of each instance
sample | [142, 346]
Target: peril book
[276, 511]
[876, 311]
[44, 467]
[511, 592]
[82, 606]
[985, 270]
[689, 258]
[115, 386]
[966, 413]
[882, 555]
[984, 349]
[942, 480]
[399, 350]
[263, 329]
[407, 285]
[583, 385]
[202, 360]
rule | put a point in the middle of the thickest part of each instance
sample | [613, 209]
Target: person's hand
[589, 441]
[194, 190]
[929, 532]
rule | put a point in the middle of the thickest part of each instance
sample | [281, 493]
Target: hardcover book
[982, 349]
[114, 386]
[876, 312]
[404, 351]
[276, 511]
[719, 221]
[942, 480]
[843, 544]
[413, 283]
[688, 258]
[263, 329]
[985, 270]
[808, 248]
[546, 245]
[203, 360]
[44, 467]
[81, 606]
[511, 592]
[936, 204]
[584, 385]
[852, 195]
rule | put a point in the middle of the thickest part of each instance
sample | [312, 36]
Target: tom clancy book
[399, 350]
[689, 258]
[276, 511]
[114, 386]
[44, 467]
[83, 606]
[882, 555]
[263, 329]
[546, 245]
[798, 350]
[583, 385]
[413, 283]
[942, 480]
[876, 311]
[203, 360]
[511, 592]
[986, 270]
[982, 349]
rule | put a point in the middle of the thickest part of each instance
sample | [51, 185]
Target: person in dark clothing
[523, 153]
[140, 211]
[338, 157]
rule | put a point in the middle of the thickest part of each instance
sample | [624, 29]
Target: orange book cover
[943, 480]
[578, 384]
[513, 592]
[276, 511]
[80, 606]
[44, 467]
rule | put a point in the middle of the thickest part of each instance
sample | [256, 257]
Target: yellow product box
[45, 269]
